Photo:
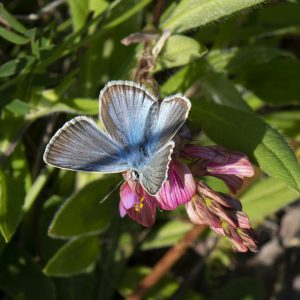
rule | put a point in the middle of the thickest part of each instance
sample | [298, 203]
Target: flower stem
[166, 262]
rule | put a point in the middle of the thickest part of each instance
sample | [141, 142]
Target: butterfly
[137, 135]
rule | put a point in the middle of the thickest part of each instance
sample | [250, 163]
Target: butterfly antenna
[123, 180]
[101, 201]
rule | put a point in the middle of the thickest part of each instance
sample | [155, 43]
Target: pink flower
[137, 204]
[223, 214]
[178, 189]
[216, 161]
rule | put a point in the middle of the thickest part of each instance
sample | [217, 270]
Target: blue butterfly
[137, 137]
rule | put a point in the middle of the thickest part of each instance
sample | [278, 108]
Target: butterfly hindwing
[155, 172]
[80, 145]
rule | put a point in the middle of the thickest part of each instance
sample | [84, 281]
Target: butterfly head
[134, 175]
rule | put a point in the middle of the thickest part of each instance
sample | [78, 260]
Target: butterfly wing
[173, 112]
[153, 175]
[80, 145]
[127, 111]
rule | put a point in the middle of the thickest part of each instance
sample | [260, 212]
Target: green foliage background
[242, 57]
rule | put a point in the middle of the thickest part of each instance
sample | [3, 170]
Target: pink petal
[144, 211]
[127, 197]
[231, 202]
[231, 167]
[242, 240]
[209, 153]
[226, 201]
[199, 168]
[200, 214]
[233, 235]
[234, 183]
[122, 209]
[135, 186]
[218, 230]
[179, 188]
[239, 247]
[236, 164]
[249, 238]
[243, 220]
[223, 214]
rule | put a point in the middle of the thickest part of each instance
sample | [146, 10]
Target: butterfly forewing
[80, 145]
[127, 111]
[155, 172]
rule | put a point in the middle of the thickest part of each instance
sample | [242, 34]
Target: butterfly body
[138, 135]
[136, 158]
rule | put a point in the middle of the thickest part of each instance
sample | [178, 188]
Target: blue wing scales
[80, 145]
[172, 114]
[153, 175]
[128, 112]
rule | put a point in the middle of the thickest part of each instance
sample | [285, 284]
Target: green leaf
[248, 133]
[74, 106]
[185, 78]
[47, 245]
[245, 57]
[133, 276]
[36, 188]
[287, 121]
[11, 202]
[11, 20]
[235, 60]
[274, 20]
[31, 33]
[18, 107]
[114, 61]
[265, 197]
[14, 176]
[179, 50]
[221, 91]
[76, 287]
[275, 82]
[279, 15]
[164, 289]
[84, 106]
[98, 6]
[2, 244]
[241, 289]
[194, 13]
[123, 11]
[13, 37]
[20, 278]
[82, 214]
[79, 12]
[75, 257]
[167, 235]
[3, 200]
[15, 66]
[215, 86]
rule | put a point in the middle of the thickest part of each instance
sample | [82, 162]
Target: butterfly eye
[134, 175]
